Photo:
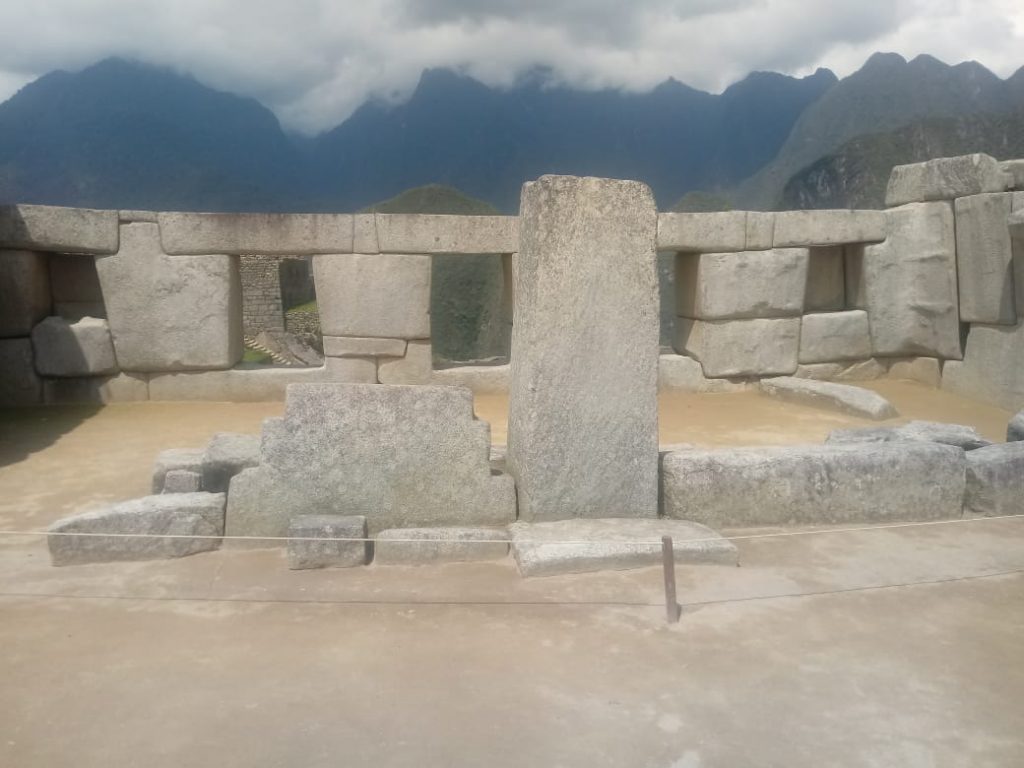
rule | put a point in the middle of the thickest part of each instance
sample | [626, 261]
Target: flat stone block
[430, 233]
[82, 348]
[424, 546]
[24, 292]
[479, 379]
[1013, 170]
[582, 546]
[815, 484]
[304, 554]
[364, 238]
[835, 336]
[992, 368]
[727, 348]
[945, 178]
[924, 370]
[995, 480]
[836, 227]
[747, 284]
[826, 282]
[176, 459]
[122, 388]
[415, 368]
[984, 259]
[51, 228]
[831, 396]
[957, 435]
[182, 481]
[911, 286]
[19, 384]
[177, 514]
[244, 234]
[587, 323]
[760, 230]
[702, 232]
[227, 454]
[1015, 429]
[170, 313]
[352, 346]
[677, 373]
[402, 456]
[373, 295]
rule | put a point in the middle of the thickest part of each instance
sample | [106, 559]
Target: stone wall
[932, 288]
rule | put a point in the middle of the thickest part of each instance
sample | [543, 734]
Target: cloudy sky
[314, 61]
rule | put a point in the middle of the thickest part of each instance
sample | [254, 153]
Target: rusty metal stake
[668, 562]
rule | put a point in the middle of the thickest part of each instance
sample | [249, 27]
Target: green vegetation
[309, 306]
[256, 356]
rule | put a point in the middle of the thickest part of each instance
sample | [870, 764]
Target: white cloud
[314, 61]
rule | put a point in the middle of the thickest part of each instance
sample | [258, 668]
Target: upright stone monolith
[583, 410]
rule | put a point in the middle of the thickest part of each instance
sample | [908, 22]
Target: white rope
[519, 542]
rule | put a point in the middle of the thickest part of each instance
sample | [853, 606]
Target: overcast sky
[314, 61]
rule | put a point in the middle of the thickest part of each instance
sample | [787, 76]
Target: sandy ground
[807, 655]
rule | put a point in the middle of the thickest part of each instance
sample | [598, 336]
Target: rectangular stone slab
[583, 411]
[995, 480]
[984, 259]
[285, 234]
[746, 284]
[52, 228]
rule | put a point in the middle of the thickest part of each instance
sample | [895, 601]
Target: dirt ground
[810, 654]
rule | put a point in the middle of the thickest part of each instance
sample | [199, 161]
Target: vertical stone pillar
[583, 409]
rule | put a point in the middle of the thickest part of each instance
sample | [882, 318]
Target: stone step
[582, 545]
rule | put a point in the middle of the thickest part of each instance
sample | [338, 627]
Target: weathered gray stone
[498, 456]
[66, 230]
[581, 546]
[741, 347]
[403, 456]
[24, 292]
[83, 348]
[304, 553]
[945, 178]
[373, 295]
[423, 546]
[814, 484]
[415, 368]
[1013, 170]
[826, 281]
[176, 459]
[364, 237]
[910, 282]
[747, 284]
[956, 435]
[480, 379]
[182, 481]
[123, 388]
[180, 515]
[836, 397]
[227, 454]
[924, 370]
[992, 368]
[859, 370]
[678, 373]
[19, 384]
[130, 216]
[354, 346]
[430, 233]
[246, 515]
[702, 232]
[835, 227]
[170, 313]
[760, 231]
[835, 336]
[995, 480]
[1015, 429]
[238, 234]
[586, 323]
[984, 259]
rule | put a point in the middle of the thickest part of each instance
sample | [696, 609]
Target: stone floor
[797, 658]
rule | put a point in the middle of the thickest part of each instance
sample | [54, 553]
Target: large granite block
[703, 232]
[831, 336]
[984, 259]
[82, 348]
[728, 348]
[176, 460]
[431, 233]
[24, 292]
[170, 313]
[844, 398]
[227, 454]
[992, 368]
[835, 227]
[945, 178]
[402, 456]
[747, 284]
[583, 411]
[814, 484]
[243, 234]
[911, 286]
[373, 296]
[416, 367]
[678, 373]
[422, 546]
[312, 542]
[51, 228]
[995, 480]
[19, 383]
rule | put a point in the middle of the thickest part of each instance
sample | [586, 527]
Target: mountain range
[122, 134]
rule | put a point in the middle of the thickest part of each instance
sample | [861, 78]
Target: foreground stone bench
[995, 480]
